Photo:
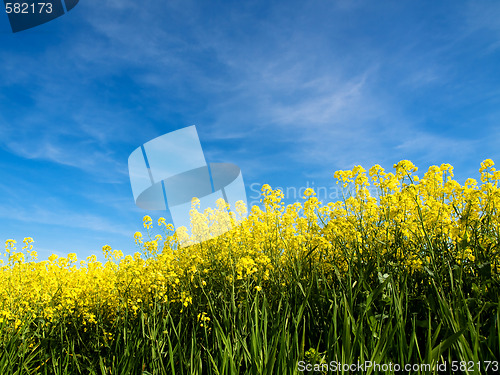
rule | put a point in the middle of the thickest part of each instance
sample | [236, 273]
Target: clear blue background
[290, 91]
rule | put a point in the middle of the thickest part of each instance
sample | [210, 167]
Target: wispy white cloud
[42, 215]
[320, 109]
[483, 16]
[89, 159]
[436, 147]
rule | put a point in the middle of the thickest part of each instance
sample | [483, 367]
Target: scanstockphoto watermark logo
[324, 194]
[167, 172]
[27, 14]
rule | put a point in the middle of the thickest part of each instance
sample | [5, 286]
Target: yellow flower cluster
[401, 226]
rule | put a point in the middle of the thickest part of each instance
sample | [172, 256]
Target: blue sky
[290, 91]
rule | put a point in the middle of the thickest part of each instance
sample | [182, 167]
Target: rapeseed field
[411, 276]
